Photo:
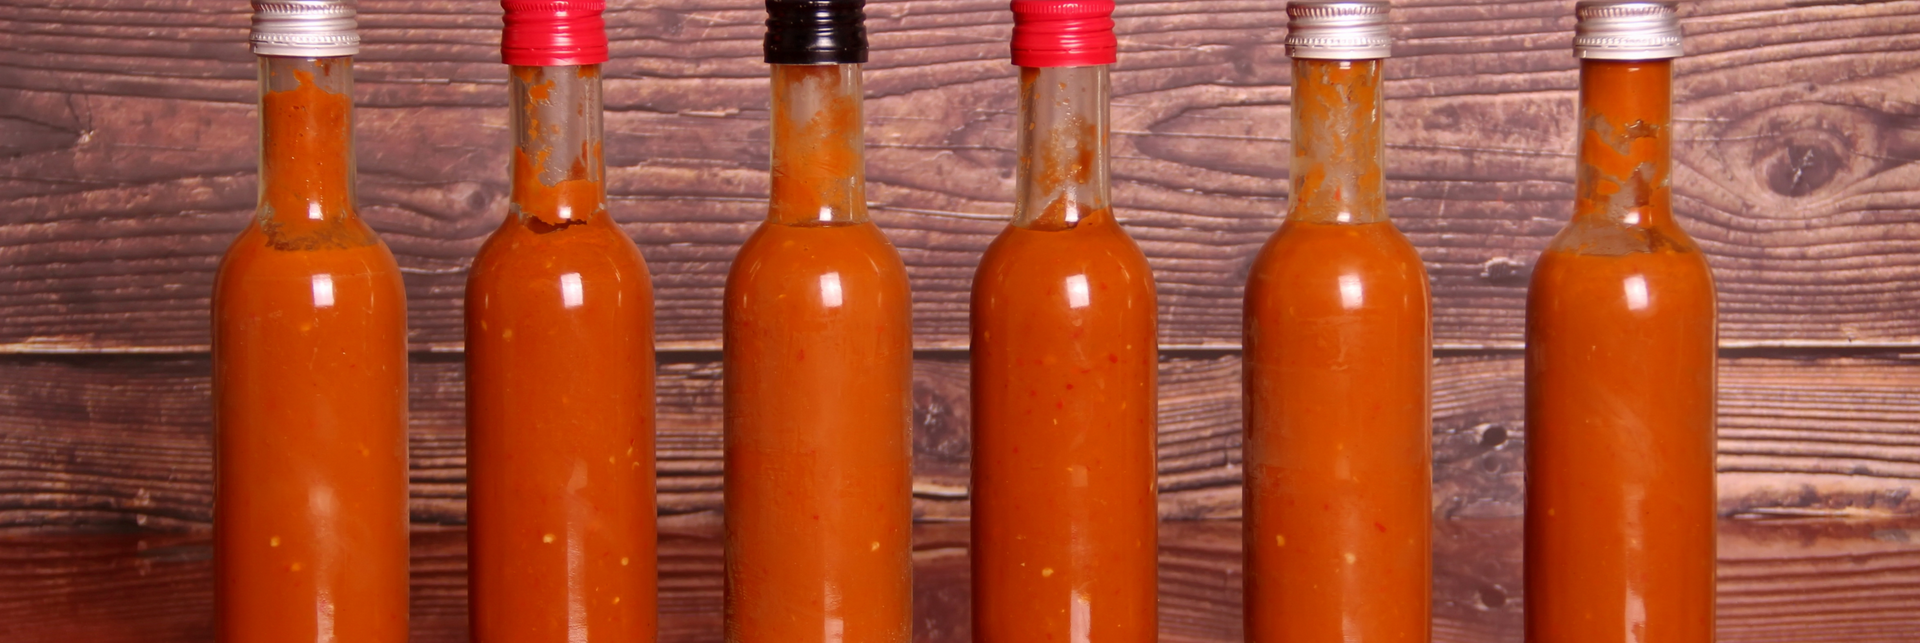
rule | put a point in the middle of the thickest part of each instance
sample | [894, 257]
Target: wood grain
[124, 441]
[126, 157]
[1822, 581]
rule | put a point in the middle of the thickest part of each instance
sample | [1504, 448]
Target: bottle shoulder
[1319, 252]
[777, 256]
[255, 257]
[1585, 286]
[593, 250]
[1599, 236]
[1097, 245]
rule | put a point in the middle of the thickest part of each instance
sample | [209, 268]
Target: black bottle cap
[816, 32]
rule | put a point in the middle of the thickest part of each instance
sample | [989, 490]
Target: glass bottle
[1620, 372]
[1064, 353]
[819, 359]
[560, 397]
[309, 380]
[1337, 355]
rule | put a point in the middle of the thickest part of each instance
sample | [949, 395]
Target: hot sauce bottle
[1620, 367]
[309, 367]
[559, 365]
[1337, 354]
[818, 358]
[1064, 366]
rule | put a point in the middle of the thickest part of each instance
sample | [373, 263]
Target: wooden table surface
[1805, 581]
[127, 157]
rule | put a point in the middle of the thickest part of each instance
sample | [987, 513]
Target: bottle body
[560, 390]
[1338, 353]
[310, 389]
[1620, 389]
[1064, 369]
[819, 359]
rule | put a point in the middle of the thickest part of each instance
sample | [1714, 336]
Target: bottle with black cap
[1620, 366]
[1337, 354]
[1064, 365]
[309, 366]
[818, 358]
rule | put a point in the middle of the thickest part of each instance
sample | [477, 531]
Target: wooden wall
[127, 164]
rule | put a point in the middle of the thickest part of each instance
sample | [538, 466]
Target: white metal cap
[305, 28]
[1338, 29]
[1631, 30]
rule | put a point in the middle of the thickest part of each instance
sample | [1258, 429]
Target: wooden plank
[124, 441]
[126, 157]
[1801, 581]
[1819, 581]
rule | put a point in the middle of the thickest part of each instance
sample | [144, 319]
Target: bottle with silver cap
[1620, 366]
[1337, 353]
[309, 367]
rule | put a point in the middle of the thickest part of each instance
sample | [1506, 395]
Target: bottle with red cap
[1064, 366]
[1337, 353]
[309, 367]
[818, 355]
[560, 400]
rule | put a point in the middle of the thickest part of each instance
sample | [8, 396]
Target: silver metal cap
[1338, 29]
[1616, 30]
[305, 28]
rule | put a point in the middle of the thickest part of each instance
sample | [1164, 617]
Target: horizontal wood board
[125, 441]
[1825, 581]
[127, 157]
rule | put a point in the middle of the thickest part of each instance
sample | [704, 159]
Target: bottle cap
[1338, 29]
[1063, 33]
[544, 33]
[816, 32]
[304, 28]
[1615, 30]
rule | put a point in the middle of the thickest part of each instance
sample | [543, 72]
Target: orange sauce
[1064, 486]
[819, 360]
[560, 403]
[310, 390]
[1620, 390]
[1337, 354]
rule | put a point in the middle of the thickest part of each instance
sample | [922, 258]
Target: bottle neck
[818, 164]
[306, 143]
[1063, 146]
[1623, 172]
[559, 172]
[1337, 143]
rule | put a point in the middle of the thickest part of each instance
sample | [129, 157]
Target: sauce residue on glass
[310, 390]
[1065, 363]
[1620, 389]
[560, 386]
[819, 359]
[1337, 355]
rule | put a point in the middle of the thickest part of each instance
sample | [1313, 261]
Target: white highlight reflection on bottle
[323, 291]
[572, 294]
[1352, 296]
[1637, 292]
[1080, 622]
[830, 293]
[1079, 293]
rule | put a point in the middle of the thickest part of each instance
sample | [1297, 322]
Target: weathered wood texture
[1780, 581]
[127, 144]
[125, 441]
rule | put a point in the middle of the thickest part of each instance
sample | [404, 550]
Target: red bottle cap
[1063, 33]
[543, 33]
